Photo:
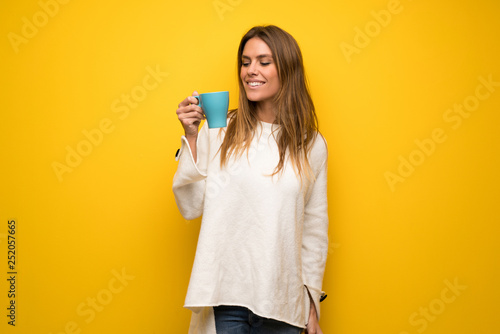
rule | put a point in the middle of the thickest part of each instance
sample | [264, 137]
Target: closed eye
[248, 64]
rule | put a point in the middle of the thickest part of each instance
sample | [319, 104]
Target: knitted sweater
[263, 239]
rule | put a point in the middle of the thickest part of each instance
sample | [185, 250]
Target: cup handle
[198, 98]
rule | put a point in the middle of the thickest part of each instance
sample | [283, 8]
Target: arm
[313, 323]
[315, 244]
[189, 179]
[190, 115]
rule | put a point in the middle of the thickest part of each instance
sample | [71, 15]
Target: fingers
[189, 100]
[189, 108]
[313, 329]
[189, 118]
[190, 112]
[190, 115]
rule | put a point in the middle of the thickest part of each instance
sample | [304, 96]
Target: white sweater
[263, 240]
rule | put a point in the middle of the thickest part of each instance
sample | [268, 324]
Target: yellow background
[392, 248]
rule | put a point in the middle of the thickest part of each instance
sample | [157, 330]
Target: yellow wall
[414, 179]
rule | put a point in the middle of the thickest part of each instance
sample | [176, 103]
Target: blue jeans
[240, 320]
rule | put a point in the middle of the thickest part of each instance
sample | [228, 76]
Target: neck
[265, 112]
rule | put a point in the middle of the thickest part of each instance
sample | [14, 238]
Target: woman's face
[258, 71]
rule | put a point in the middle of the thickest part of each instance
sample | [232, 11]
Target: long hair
[295, 111]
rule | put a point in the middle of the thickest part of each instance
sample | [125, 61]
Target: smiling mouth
[255, 83]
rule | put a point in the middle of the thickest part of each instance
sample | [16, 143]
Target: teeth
[253, 84]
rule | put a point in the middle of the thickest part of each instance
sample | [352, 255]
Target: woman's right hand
[190, 115]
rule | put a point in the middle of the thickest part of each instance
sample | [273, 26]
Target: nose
[252, 69]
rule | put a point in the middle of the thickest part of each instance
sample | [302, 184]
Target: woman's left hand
[313, 324]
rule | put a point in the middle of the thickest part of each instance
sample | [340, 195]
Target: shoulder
[318, 153]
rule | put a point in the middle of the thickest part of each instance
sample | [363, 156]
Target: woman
[260, 184]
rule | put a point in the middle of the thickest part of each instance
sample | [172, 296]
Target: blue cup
[215, 106]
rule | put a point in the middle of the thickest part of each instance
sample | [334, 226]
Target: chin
[254, 97]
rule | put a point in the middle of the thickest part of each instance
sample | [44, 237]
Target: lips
[255, 83]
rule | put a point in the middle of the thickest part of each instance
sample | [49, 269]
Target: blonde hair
[295, 111]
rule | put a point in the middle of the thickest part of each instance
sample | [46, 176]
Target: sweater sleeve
[190, 177]
[315, 238]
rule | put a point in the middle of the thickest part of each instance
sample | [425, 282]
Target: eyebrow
[258, 57]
